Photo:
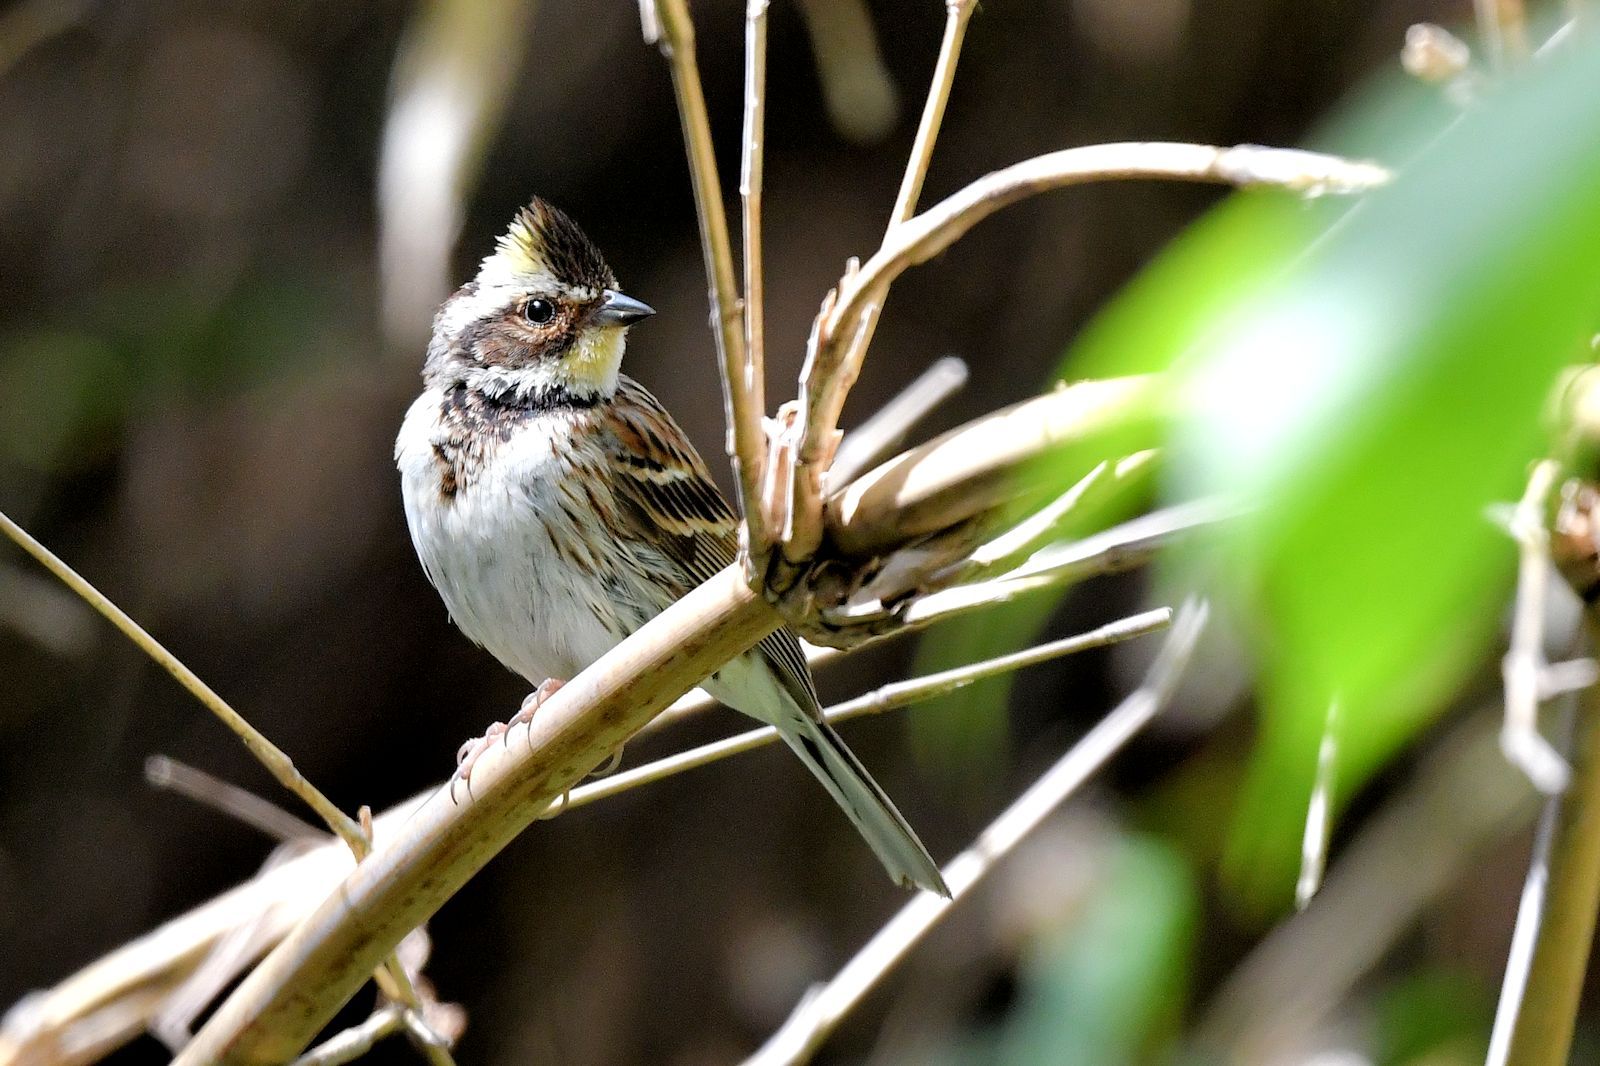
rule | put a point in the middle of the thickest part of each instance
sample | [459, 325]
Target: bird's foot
[534, 700]
[470, 752]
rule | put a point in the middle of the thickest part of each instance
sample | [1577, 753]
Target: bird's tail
[867, 805]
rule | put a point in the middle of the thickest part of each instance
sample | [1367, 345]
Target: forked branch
[834, 360]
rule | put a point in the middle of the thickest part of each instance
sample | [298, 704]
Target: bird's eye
[538, 311]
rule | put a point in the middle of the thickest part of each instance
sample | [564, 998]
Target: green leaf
[1368, 377]
[1371, 403]
[1112, 985]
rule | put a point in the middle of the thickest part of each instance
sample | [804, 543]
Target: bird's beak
[618, 310]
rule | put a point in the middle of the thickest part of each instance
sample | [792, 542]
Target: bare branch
[120, 992]
[888, 426]
[291, 995]
[957, 14]
[887, 698]
[746, 443]
[1524, 665]
[969, 470]
[1427, 838]
[163, 772]
[1525, 933]
[1542, 1032]
[824, 1006]
[833, 361]
[277, 763]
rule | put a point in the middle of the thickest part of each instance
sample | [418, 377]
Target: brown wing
[662, 479]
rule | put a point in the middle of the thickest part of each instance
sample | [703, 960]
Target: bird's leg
[470, 752]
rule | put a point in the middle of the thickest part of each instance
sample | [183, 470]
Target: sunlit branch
[824, 1006]
[745, 443]
[887, 427]
[830, 375]
[887, 698]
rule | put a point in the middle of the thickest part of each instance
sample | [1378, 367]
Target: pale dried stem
[268, 906]
[1122, 547]
[889, 697]
[1542, 1033]
[278, 764]
[240, 804]
[101, 998]
[356, 1041]
[1525, 933]
[957, 14]
[292, 994]
[984, 463]
[818, 377]
[1278, 1004]
[268, 754]
[1524, 666]
[824, 1006]
[750, 454]
[888, 426]
[830, 374]
[745, 443]
[281, 1006]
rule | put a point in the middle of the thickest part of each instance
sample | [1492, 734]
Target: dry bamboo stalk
[746, 443]
[845, 313]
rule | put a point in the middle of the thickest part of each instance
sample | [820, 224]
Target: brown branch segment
[295, 992]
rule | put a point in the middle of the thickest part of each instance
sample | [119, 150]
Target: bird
[557, 507]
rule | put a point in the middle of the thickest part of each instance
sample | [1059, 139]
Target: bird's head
[542, 323]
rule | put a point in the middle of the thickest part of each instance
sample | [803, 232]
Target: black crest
[543, 239]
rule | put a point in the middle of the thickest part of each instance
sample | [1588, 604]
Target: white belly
[488, 550]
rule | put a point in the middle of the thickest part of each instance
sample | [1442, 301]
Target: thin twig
[987, 462]
[830, 374]
[356, 1041]
[1525, 933]
[752, 379]
[123, 990]
[1542, 1033]
[241, 804]
[1296, 984]
[824, 1006]
[888, 425]
[886, 698]
[819, 374]
[1524, 665]
[295, 991]
[268, 754]
[278, 764]
[957, 15]
[269, 905]
[745, 442]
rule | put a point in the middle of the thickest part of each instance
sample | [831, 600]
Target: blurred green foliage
[1367, 379]
[1109, 986]
[1433, 1016]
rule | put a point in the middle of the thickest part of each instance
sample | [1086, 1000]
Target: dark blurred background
[200, 383]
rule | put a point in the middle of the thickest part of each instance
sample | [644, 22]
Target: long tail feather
[868, 806]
